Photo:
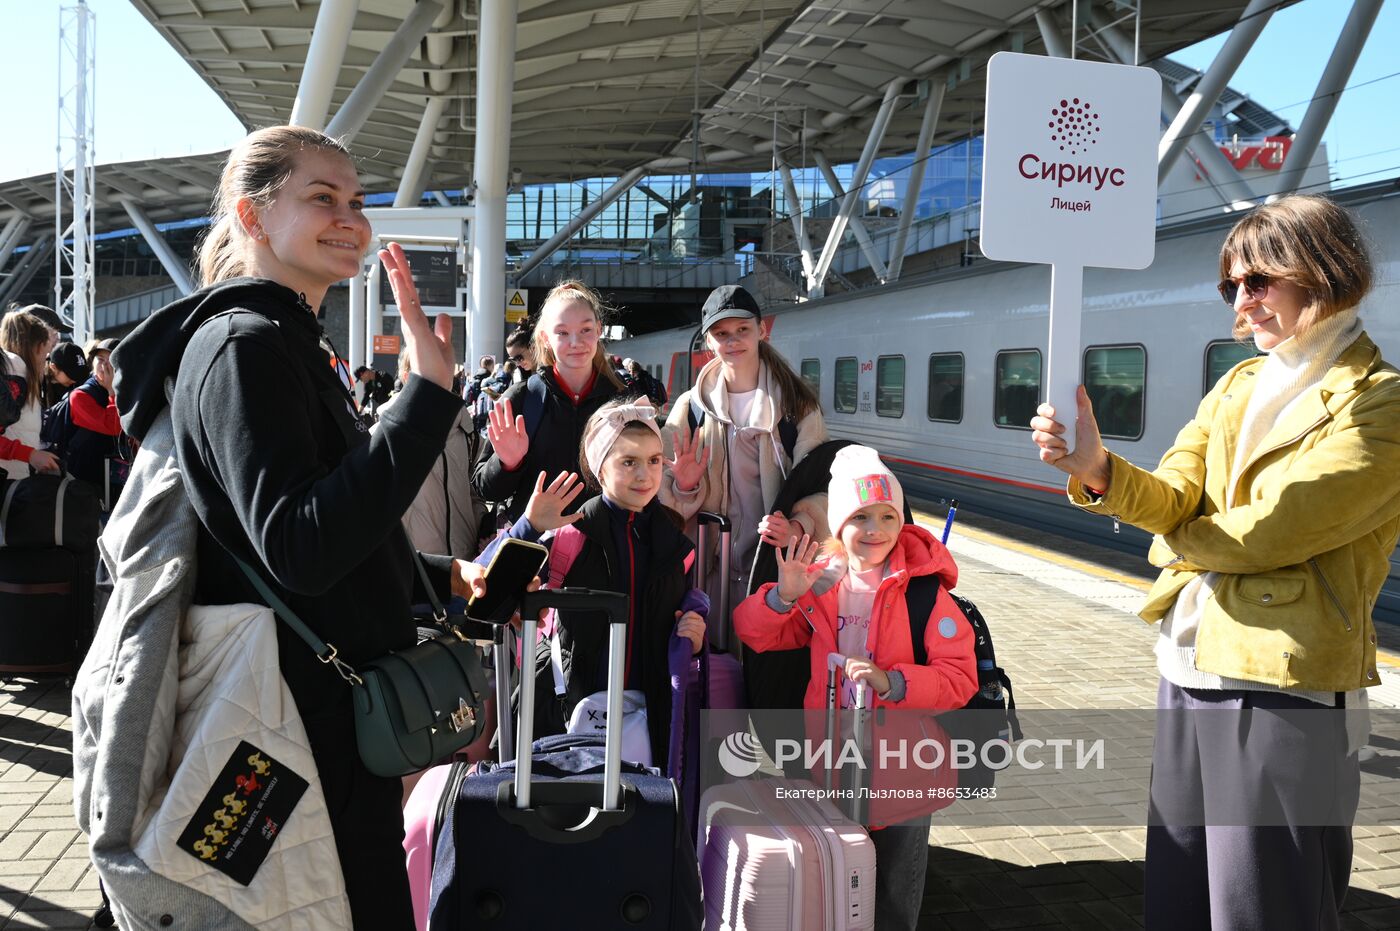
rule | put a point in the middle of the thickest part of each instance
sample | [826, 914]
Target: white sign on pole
[1069, 179]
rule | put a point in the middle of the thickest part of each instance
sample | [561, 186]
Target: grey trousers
[1250, 818]
[901, 859]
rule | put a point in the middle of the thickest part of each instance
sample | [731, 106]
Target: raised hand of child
[796, 572]
[547, 505]
[509, 441]
[692, 626]
[777, 530]
[690, 463]
[864, 671]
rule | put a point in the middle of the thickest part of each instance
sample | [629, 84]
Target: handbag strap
[439, 612]
[325, 652]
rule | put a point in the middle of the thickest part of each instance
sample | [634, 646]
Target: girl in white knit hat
[852, 601]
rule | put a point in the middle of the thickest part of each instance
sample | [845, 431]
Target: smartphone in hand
[512, 568]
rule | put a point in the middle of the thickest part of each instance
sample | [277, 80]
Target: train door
[686, 365]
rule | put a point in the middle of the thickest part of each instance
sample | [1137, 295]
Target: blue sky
[142, 85]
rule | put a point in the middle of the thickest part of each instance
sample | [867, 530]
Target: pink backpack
[564, 548]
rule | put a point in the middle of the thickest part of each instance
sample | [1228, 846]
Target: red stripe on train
[977, 475]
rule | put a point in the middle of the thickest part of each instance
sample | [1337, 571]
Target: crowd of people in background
[67, 418]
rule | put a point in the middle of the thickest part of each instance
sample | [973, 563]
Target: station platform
[1062, 615]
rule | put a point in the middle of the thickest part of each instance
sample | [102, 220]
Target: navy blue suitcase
[609, 839]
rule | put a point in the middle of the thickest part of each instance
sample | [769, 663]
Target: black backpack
[978, 720]
[13, 388]
[56, 426]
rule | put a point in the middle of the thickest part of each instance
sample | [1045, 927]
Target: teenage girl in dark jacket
[282, 473]
[574, 376]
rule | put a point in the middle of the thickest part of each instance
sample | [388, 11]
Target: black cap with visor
[728, 302]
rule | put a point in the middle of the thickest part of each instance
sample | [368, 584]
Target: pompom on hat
[860, 479]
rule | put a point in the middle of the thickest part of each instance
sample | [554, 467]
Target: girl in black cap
[739, 431]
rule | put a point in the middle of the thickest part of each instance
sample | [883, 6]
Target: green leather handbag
[412, 707]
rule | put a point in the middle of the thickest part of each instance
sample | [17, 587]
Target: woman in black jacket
[537, 425]
[281, 472]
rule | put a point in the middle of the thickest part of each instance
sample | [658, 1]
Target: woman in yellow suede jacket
[1275, 513]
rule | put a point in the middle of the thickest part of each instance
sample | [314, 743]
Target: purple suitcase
[723, 680]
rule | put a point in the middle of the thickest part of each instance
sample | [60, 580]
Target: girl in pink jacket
[852, 601]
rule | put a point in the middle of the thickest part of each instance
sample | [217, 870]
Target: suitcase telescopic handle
[615, 606]
[723, 624]
[835, 664]
[710, 517]
[504, 662]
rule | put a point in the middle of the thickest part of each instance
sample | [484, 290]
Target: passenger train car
[943, 372]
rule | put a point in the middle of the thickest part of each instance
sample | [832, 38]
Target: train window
[845, 387]
[945, 386]
[1116, 379]
[812, 371]
[889, 386]
[1018, 388]
[1221, 357]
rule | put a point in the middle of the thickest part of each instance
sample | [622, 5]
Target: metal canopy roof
[603, 86]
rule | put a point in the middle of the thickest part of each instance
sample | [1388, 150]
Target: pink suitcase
[421, 817]
[432, 790]
[770, 864]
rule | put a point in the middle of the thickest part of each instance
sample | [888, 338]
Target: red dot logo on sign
[1074, 125]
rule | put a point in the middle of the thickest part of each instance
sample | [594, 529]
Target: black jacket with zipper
[554, 442]
[583, 635]
[281, 472]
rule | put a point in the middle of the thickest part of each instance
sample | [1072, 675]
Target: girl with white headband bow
[631, 543]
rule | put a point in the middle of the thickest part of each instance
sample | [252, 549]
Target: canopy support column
[1207, 91]
[351, 116]
[1329, 92]
[1234, 192]
[795, 214]
[580, 220]
[12, 235]
[358, 321]
[932, 108]
[415, 175]
[867, 246]
[334, 20]
[495, 82]
[848, 205]
[178, 271]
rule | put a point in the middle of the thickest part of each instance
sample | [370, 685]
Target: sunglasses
[1256, 285]
[519, 358]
